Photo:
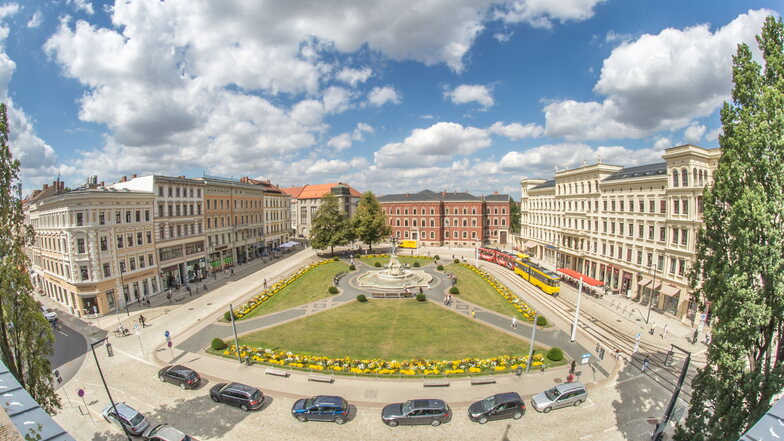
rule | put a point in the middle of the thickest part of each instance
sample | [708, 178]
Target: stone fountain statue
[394, 276]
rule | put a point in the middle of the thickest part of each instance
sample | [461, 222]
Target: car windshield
[552, 393]
[309, 402]
[406, 408]
[488, 403]
[136, 420]
[187, 438]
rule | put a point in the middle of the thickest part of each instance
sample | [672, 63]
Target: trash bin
[109, 349]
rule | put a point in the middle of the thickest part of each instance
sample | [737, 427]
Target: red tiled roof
[317, 191]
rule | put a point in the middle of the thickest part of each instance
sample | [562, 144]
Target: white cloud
[542, 13]
[324, 166]
[354, 76]
[614, 37]
[382, 95]
[336, 99]
[543, 160]
[713, 135]
[433, 145]
[35, 20]
[693, 133]
[467, 93]
[346, 139]
[8, 10]
[662, 143]
[82, 5]
[503, 37]
[657, 82]
[515, 131]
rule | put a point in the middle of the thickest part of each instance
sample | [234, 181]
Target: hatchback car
[433, 412]
[165, 432]
[180, 375]
[321, 408]
[133, 421]
[496, 407]
[562, 395]
[237, 394]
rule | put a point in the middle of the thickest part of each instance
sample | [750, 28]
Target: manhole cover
[208, 304]
[618, 321]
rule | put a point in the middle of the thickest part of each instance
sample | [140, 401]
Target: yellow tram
[546, 280]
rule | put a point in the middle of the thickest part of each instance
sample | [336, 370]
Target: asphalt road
[70, 348]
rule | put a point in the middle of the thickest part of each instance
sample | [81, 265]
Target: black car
[237, 394]
[496, 407]
[433, 412]
[180, 375]
[321, 408]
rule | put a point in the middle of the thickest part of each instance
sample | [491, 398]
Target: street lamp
[103, 380]
[653, 287]
[658, 434]
[577, 310]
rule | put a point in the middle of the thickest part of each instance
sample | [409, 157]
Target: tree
[331, 226]
[370, 223]
[514, 216]
[739, 266]
[25, 335]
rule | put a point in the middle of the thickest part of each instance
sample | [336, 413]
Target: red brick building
[437, 219]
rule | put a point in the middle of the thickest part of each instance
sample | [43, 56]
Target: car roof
[241, 387]
[566, 387]
[124, 410]
[328, 400]
[507, 396]
[168, 432]
[428, 404]
[179, 368]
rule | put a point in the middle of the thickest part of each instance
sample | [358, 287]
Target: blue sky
[467, 95]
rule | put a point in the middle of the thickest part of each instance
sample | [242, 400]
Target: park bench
[482, 380]
[441, 382]
[321, 378]
[276, 371]
[379, 295]
[181, 297]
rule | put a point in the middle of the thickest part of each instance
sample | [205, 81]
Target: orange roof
[317, 191]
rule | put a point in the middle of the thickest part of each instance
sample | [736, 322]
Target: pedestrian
[232, 271]
[645, 364]
[514, 322]
[189, 290]
[449, 300]
[168, 296]
[420, 290]
[708, 338]
[148, 300]
[265, 283]
[205, 286]
[142, 320]
[665, 330]
[573, 367]
[473, 313]
[653, 329]
[445, 297]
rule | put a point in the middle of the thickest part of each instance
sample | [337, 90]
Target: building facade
[179, 225]
[623, 226]
[437, 219]
[306, 200]
[94, 249]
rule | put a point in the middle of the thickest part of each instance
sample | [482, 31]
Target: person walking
[265, 283]
[708, 337]
[514, 322]
[645, 363]
[142, 320]
[473, 313]
[232, 271]
[665, 330]
[653, 329]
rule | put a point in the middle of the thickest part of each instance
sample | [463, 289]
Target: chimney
[443, 194]
[133, 176]
[124, 178]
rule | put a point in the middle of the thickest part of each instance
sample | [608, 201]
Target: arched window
[495, 221]
[473, 222]
[473, 235]
[685, 176]
[589, 187]
[446, 234]
[432, 212]
[432, 234]
[397, 211]
[405, 223]
[503, 221]
[397, 234]
[398, 223]
[495, 211]
[405, 211]
[414, 223]
[473, 211]
[446, 222]
[415, 211]
[465, 211]
[432, 223]
[465, 223]
[405, 234]
[582, 187]
[675, 178]
[694, 176]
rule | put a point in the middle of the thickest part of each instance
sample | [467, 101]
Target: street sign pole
[577, 310]
[138, 334]
[531, 350]
[234, 326]
[658, 434]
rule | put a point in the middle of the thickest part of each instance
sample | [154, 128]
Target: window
[681, 266]
[117, 217]
[149, 259]
[80, 246]
[662, 234]
[621, 202]
[141, 261]
[132, 263]
[676, 206]
[685, 177]
[628, 254]
[79, 219]
[663, 206]
[177, 191]
[127, 216]
[160, 191]
[101, 218]
[122, 266]
[641, 231]
[107, 270]
[685, 206]
[612, 204]
[83, 272]
[651, 206]
[673, 263]
[119, 241]
[149, 237]
[675, 235]
[699, 204]
[642, 206]
[675, 178]
[139, 238]
[649, 262]
[130, 240]
[104, 245]
[138, 215]
[650, 232]
[146, 215]
[684, 237]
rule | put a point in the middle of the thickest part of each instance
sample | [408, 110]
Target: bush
[436, 257]
[454, 290]
[440, 267]
[421, 297]
[332, 290]
[227, 316]
[541, 321]
[457, 260]
[416, 264]
[218, 344]
[361, 298]
[555, 354]
[352, 267]
[336, 258]
[377, 264]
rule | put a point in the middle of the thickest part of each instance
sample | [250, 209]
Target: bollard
[109, 349]
[519, 370]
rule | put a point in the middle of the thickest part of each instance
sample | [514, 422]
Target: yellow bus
[547, 281]
[408, 244]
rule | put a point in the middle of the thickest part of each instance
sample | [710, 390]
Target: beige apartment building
[277, 217]
[94, 248]
[623, 226]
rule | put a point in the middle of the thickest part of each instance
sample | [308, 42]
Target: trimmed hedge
[457, 260]
[227, 316]
[218, 344]
[336, 258]
[454, 290]
[416, 264]
[541, 321]
[352, 267]
[332, 290]
[421, 297]
[361, 298]
[440, 267]
[377, 264]
[436, 257]
[555, 354]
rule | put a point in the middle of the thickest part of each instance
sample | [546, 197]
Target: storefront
[215, 259]
[242, 255]
[170, 276]
[227, 258]
[195, 269]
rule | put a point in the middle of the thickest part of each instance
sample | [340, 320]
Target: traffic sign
[586, 357]
[80, 393]
[169, 344]
[166, 334]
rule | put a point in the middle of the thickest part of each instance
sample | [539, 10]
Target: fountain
[394, 276]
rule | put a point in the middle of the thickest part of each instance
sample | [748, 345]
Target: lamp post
[658, 434]
[577, 310]
[122, 288]
[653, 287]
[103, 380]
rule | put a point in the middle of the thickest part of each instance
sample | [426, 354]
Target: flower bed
[525, 310]
[258, 299]
[384, 256]
[424, 367]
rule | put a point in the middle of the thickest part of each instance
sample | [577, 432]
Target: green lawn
[308, 288]
[371, 261]
[476, 290]
[389, 330]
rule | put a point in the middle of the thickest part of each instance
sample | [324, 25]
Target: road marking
[134, 357]
[609, 430]
[62, 333]
[590, 405]
[586, 437]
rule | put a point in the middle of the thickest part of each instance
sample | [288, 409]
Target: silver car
[562, 395]
[133, 421]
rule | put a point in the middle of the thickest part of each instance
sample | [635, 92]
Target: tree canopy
[514, 216]
[331, 226]
[369, 222]
[739, 268]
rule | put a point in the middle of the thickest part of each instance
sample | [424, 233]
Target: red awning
[574, 274]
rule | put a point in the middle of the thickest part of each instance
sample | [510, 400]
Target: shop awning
[670, 291]
[289, 244]
[531, 244]
[574, 274]
[644, 281]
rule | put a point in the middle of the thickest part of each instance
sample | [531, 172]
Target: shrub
[352, 267]
[421, 297]
[416, 264]
[436, 257]
[218, 344]
[555, 354]
[361, 298]
[227, 316]
[377, 264]
[332, 290]
[336, 258]
[440, 267]
[541, 321]
[454, 290]
[457, 260]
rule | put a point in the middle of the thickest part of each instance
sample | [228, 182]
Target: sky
[389, 96]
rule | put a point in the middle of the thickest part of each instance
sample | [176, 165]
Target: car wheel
[340, 420]
[214, 398]
[302, 419]
[435, 423]
[518, 415]
[392, 423]
[547, 409]
[160, 377]
[244, 407]
[182, 386]
[578, 402]
[482, 420]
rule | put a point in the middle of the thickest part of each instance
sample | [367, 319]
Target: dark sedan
[433, 412]
[496, 407]
[237, 394]
[321, 408]
[180, 375]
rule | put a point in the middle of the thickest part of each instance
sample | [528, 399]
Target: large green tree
[25, 335]
[514, 216]
[739, 267]
[369, 222]
[331, 226]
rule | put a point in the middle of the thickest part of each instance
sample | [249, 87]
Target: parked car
[496, 407]
[562, 395]
[133, 420]
[49, 314]
[165, 432]
[237, 394]
[321, 408]
[433, 412]
[180, 375]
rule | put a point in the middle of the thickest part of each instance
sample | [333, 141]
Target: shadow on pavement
[180, 414]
